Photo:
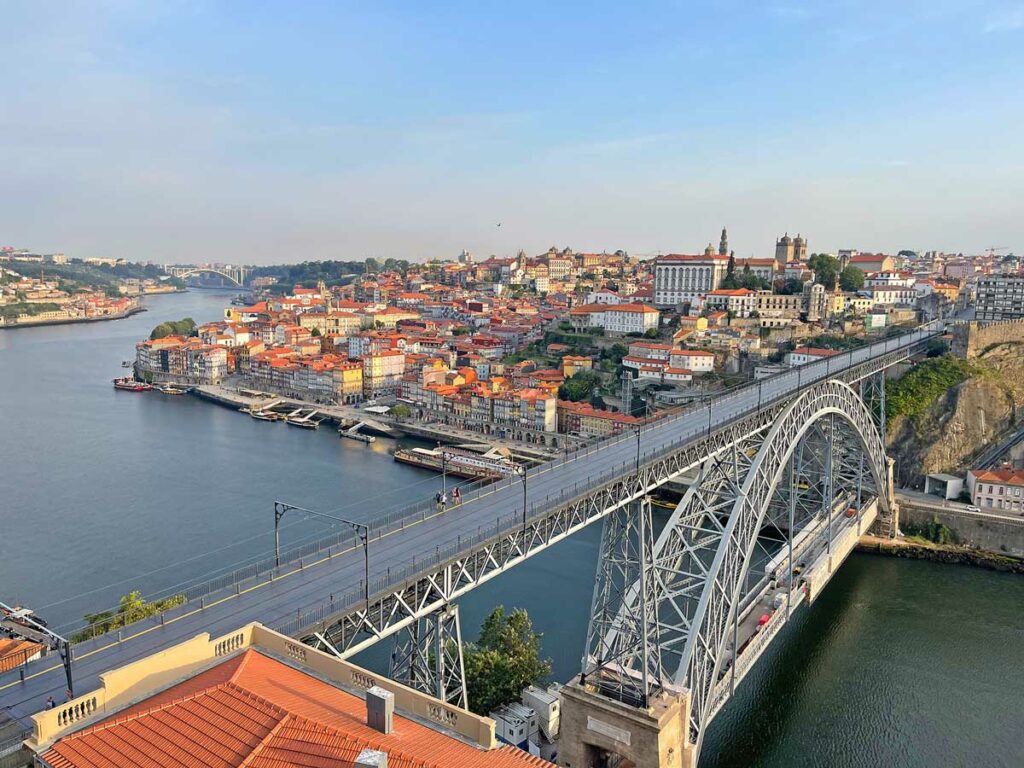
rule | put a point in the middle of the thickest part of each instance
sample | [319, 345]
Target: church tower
[723, 244]
[799, 248]
[784, 249]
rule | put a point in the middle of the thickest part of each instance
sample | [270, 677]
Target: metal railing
[263, 570]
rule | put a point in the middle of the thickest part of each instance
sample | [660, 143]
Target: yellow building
[573, 364]
[348, 381]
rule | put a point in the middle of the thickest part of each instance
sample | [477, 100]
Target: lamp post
[444, 472]
[521, 471]
[363, 531]
[636, 431]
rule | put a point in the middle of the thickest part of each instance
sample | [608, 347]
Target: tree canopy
[580, 386]
[825, 268]
[851, 278]
[503, 661]
[185, 327]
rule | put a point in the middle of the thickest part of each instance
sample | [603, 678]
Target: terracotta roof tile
[257, 712]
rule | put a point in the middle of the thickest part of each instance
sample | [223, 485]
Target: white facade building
[687, 279]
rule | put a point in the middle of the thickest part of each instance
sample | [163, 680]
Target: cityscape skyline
[156, 132]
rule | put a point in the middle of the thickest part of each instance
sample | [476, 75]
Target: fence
[725, 402]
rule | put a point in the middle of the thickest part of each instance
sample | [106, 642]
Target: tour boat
[171, 389]
[306, 423]
[458, 462]
[131, 385]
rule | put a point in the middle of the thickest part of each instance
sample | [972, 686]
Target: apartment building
[615, 318]
[382, 371]
[997, 489]
[1000, 297]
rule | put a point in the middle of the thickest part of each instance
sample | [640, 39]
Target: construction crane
[991, 251]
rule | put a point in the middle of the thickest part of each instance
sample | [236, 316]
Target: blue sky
[268, 132]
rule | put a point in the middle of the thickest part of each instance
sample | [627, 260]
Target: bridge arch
[208, 271]
[707, 628]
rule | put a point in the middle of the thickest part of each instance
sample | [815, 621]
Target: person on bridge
[456, 496]
[444, 501]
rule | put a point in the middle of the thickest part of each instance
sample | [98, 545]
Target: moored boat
[126, 384]
[306, 423]
[171, 389]
[457, 462]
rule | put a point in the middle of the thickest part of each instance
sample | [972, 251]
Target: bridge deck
[275, 603]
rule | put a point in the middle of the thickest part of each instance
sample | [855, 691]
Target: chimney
[380, 709]
[372, 758]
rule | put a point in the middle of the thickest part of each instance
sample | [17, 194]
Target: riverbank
[916, 548]
[74, 320]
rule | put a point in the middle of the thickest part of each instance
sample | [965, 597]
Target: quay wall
[977, 531]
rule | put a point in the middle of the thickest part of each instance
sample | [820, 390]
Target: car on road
[972, 508]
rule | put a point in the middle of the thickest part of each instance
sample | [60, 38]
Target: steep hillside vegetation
[944, 410]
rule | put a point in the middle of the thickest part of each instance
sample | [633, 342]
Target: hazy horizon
[188, 132]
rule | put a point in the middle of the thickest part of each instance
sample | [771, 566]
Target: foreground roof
[253, 710]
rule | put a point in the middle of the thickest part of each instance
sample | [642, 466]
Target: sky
[263, 132]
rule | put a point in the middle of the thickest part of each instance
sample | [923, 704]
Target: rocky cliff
[944, 434]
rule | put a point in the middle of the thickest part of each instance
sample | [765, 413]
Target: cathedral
[789, 249]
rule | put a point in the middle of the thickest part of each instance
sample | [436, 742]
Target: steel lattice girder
[623, 651]
[429, 657]
[357, 627]
[707, 629]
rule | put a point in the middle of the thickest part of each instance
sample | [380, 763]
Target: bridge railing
[400, 574]
[208, 588]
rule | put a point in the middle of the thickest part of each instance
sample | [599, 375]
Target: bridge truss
[675, 626]
[432, 585]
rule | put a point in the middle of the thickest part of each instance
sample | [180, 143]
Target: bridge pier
[596, 730]
[427, 656]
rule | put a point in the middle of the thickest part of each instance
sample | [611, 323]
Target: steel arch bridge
[236, 276]
[666, 612]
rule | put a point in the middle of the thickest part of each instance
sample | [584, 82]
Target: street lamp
[363, 530]
[521, 471]
[636, 431]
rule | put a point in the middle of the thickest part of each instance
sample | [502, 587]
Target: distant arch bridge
[234, 275]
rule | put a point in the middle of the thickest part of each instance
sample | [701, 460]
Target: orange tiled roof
[14, 652]
[1003, 476]
[256, 711]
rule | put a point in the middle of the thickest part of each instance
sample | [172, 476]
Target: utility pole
[361, 529]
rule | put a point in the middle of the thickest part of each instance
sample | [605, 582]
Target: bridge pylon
[427, 656]
[623, 654]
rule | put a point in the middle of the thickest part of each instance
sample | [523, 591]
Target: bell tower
[723, 244]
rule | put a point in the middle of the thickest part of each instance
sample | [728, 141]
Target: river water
[898, 664]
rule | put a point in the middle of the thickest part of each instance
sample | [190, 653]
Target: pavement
[275, 603]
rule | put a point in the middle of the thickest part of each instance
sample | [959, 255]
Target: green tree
[789, 287]
[401, 410]
[851, 278]
[825, 268]
[503, 661]
[579, 386]
[315, 332]
[185, 327]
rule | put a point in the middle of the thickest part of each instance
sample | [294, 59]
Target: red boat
[131, 385]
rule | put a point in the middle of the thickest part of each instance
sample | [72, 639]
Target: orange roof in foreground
[256, 711]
